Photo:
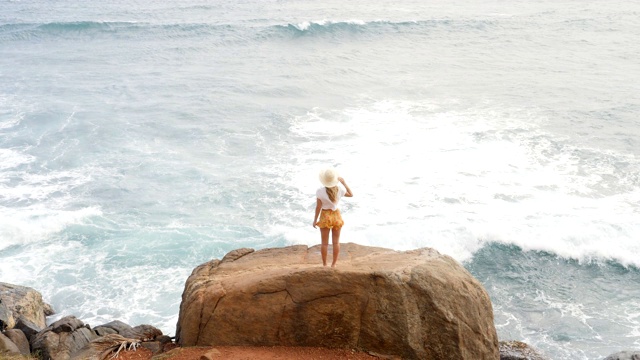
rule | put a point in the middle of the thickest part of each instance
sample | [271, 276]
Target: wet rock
[624, 355]
[416, 304]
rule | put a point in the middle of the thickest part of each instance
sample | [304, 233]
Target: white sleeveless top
[324, 198]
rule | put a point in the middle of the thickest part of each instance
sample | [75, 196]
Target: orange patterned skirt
[330, 219]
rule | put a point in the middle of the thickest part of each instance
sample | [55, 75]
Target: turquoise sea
[141, 138]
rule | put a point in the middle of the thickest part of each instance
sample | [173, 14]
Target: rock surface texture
[22, 302]
[62, 338]
[415, 304]
[517, 350]
[624, 355]
[19, 339]
[109, 339]
[7, 346]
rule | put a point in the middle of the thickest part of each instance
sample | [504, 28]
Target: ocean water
[139, 139]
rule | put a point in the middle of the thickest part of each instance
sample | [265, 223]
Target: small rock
[211, 355]
[142, 332]
[48, 310]
[384, 357]
[6, 317]
[27, 327]
[624, 355]
[118, 326]
[163, 339]
[66, 324]
[154, 346]
[517, 350]
[7, 346]
[20, 339]
[102, 331]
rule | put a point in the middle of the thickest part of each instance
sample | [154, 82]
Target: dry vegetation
[17, 357]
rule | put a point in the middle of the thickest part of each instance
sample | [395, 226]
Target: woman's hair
[332, 192]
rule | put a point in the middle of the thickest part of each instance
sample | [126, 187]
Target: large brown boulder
[22, 302]
[416, 304]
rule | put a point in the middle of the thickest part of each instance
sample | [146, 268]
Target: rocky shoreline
[24, 332]
[407, 305]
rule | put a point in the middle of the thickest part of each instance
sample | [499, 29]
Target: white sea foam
[37, 223]
[305, 25]
[11, 122]
[41, 186]
[10, 159]
[455, 180]
[12, 112]
[35, 206]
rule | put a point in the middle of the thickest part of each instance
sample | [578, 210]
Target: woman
[327, 208]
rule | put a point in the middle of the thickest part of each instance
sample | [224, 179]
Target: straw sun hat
[329, 177]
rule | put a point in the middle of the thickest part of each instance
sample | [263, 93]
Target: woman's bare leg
[335, 240]
[324, 235]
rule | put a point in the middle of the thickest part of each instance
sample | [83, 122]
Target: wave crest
[23, 31]
[329, 26]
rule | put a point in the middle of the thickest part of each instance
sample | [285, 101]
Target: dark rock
[142, 332]
[164, 339]
[517, 350]
[62, 338]
[624, 355]
[7, 346]
[118, 326]
[66, 324]
[27, 327]
[102, 331]
[20, 339]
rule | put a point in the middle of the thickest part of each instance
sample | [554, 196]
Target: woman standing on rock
[327, 208]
